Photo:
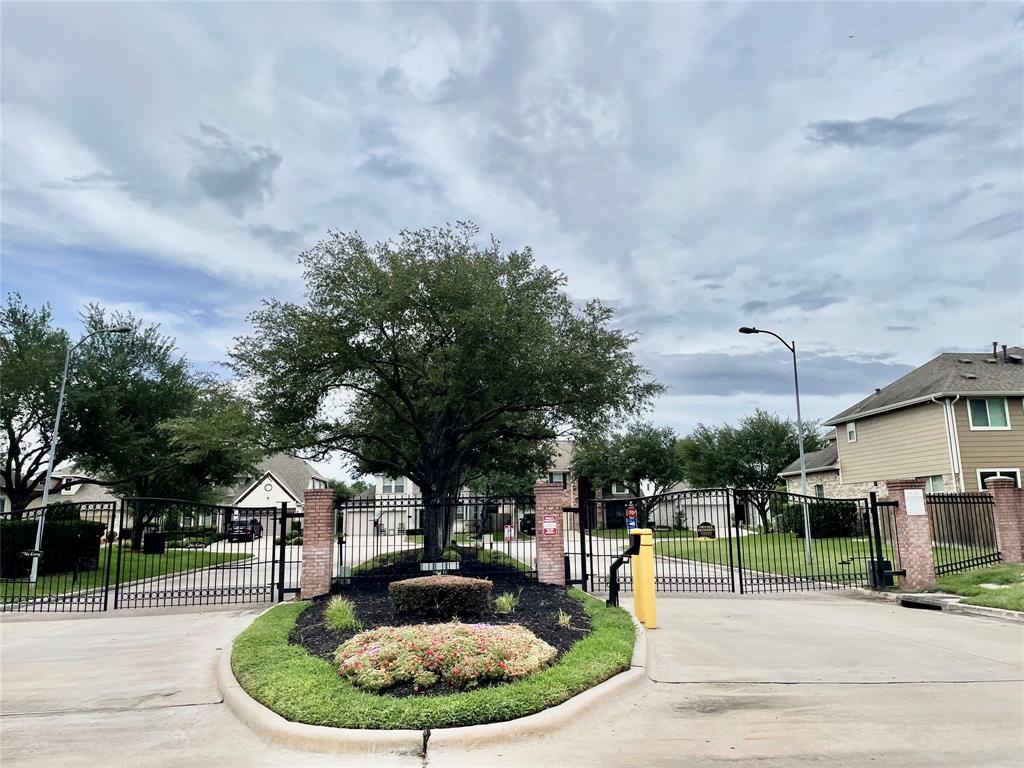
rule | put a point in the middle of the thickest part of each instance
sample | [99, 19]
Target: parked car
[245, 530]
[528, 524]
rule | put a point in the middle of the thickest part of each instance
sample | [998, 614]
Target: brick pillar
[915, 534]
[1008, 515]
[317, 542]
[550, 545]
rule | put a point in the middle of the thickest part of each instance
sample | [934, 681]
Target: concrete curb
[947, 603]
[271, 727]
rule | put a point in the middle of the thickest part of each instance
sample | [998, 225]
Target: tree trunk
[434, 527]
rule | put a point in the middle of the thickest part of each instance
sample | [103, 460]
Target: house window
[67, 490]
[985, 474]
[851, 431]
[934, 484]
[988, 413]
[556, 478]
[393, 485]
[819, 491]
[618, 489]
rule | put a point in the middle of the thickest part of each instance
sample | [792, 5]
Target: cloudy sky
[847, 174]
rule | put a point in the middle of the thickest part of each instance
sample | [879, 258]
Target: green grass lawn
[134, 566]
[784, 553]
[968, 584]
[305, 689]
[781, 553]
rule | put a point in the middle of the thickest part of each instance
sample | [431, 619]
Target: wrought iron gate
[738, 540]
[147, 553]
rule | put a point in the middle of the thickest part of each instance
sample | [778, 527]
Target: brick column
[1008, 515]
[550, 546]
[317, 542]
[915, 536]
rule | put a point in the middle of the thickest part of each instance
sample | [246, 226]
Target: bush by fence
[829, 519]
[67, 541]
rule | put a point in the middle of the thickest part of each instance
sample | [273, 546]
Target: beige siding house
[955, 421]
[823, 480]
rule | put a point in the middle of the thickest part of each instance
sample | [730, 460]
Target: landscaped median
[306, 688]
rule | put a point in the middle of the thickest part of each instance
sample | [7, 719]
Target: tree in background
[136, 416]
[31, 361]
[344, 491]
[749, 456]
[643, 452]
[425, 357]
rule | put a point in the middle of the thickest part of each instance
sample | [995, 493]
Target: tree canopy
[31, 362]
[643, 452]
[749, 456]
[136, 415]
[436, 358]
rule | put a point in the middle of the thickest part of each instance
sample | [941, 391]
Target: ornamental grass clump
[340, 615]
[440, 597]
[462, 655]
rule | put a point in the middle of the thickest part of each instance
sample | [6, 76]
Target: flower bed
[462, 655]
[304, 688]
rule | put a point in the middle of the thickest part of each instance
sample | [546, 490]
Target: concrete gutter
[941, 601]
[271, 727]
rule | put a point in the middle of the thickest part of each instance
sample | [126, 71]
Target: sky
[848, 175]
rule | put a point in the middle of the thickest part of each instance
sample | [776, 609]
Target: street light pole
[791, 346]
[53, 447]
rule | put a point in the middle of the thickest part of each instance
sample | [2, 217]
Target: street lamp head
[118, 329]
[746, 329]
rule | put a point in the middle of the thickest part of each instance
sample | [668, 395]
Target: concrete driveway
[822, 679]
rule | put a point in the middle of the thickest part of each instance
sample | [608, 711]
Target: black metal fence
[383, 537]
[72, 562]
[146, 553]
[735, 540]
[963, 531]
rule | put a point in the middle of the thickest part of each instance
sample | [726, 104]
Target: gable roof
[948, 374]
[825, 460]
[291, 473]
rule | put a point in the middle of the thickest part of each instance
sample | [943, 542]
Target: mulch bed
[538, 609]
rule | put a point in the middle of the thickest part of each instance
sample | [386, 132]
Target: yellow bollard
[643, 583]
[636, 565]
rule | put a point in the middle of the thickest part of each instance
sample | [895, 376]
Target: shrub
[440, 597]
[462, 655]
[67, 542]
[829, 519]
[506, 603]
[340, 615]
[564, 619]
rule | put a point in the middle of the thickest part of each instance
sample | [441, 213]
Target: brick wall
[317, 542]
[1008, 515]
[915, 537]
[550, 549]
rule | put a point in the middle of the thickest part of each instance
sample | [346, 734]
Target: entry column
[914, 531]
[549, 534]
[317, 542]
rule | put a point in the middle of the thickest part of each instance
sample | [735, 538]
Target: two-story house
[954, 422]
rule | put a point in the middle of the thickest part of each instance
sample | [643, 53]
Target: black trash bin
[154, 543]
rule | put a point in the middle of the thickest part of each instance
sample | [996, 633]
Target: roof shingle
[950, 373]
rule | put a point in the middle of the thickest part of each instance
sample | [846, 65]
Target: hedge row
[829, 519]
[67, 541]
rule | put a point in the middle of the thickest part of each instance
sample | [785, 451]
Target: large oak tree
[433, 357]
